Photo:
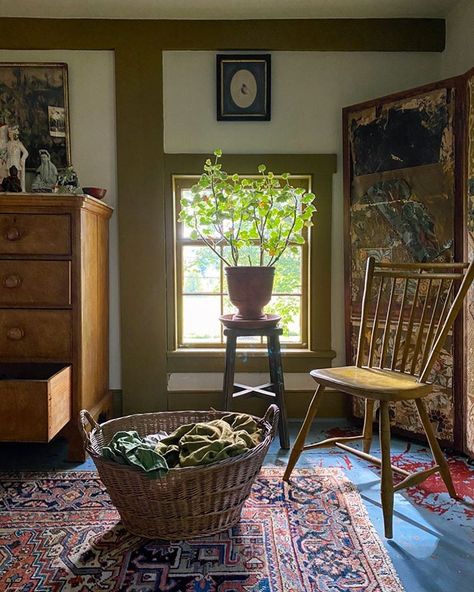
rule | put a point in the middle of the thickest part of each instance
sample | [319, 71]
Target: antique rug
[59, 532]
[431, 494]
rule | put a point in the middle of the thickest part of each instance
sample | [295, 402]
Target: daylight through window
[201, 291]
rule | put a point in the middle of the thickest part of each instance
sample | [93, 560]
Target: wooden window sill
[248, 360]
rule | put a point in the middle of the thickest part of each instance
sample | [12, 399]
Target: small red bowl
[96, 192]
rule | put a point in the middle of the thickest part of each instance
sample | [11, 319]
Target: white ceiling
[224, 9]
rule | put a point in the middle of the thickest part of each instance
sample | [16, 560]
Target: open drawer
[35, 401]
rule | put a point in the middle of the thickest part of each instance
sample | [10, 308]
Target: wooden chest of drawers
[53, 315]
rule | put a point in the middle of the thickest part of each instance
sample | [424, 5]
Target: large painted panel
[469, 309]
[400, 206]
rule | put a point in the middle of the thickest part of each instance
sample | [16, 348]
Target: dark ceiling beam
[427, 35]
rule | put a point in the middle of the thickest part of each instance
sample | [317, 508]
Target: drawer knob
[12, 281]
[12, 234]
[15, 333]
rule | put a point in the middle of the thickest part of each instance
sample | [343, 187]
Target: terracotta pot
[250, 289]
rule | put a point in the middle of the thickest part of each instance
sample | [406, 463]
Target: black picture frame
[243, 87]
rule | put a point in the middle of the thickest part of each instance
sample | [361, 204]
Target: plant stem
[265, 220]
[210, 245]
[287, 241]
[218, 227]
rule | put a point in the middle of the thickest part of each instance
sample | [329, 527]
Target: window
[201, 287]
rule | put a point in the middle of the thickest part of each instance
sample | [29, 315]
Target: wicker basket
[187, 502]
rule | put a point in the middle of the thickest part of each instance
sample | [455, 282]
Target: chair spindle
[398, 332]
[443, 312]
[369, 275]
[421, 330]
[431, 327]
[409, 332]
[376, 323]
[386, 333]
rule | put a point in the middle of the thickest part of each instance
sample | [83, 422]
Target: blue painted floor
[433, 545]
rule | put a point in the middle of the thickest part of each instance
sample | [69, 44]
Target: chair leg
[435, 448]
[368, 427]
[387, 476]
[301, 437]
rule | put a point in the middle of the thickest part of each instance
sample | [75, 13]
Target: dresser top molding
[48, 200]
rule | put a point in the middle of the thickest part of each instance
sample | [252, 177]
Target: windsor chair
[408, 310]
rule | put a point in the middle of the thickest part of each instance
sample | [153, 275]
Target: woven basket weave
[187, 502]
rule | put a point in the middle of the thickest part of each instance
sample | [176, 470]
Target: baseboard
[334, 403]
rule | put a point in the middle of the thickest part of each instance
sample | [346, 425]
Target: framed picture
[243, 87]
[34, 108]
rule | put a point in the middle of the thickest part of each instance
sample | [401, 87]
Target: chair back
[407, 312]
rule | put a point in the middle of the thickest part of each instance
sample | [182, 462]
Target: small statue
[46, 174]
[3, 151]
[16, 154]
[12, 183]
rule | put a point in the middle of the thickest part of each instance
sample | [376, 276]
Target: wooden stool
[273, 391]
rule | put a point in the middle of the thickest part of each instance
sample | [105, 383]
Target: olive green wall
[138, 49]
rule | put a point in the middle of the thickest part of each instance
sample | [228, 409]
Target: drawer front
[40, 334]
[35, 234]
[35, 283]
[35, 401]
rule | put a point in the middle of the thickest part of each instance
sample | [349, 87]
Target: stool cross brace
[273, 391]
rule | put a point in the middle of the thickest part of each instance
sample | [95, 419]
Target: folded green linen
[128, 448]
[211, 441]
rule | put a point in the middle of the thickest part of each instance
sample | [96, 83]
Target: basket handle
[86, 420]
[271, 417]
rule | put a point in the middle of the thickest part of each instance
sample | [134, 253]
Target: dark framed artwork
[403, 202]
[469, 306]
[243, 87]
[34, 102]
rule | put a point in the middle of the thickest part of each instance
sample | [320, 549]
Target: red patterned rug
[59, 532]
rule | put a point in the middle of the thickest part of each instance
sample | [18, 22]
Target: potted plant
[235, 212]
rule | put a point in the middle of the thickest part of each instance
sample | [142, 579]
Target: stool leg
[387, 477]
[276, 378]
[368, 424]
[230, 350]
[301, 437]
[435, 448]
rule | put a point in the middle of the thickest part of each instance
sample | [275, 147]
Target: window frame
[318, 352]
[179, 183]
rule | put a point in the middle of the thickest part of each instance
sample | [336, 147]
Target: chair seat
[372, 383]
